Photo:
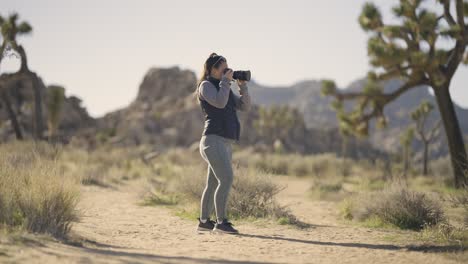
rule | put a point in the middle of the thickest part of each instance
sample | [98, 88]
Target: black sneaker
[225, 227]
[207, 226]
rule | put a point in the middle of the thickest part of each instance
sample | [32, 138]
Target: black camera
[239, 75]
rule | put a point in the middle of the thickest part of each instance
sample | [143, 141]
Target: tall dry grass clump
[35, 195]
[398, 206]
[253, 193]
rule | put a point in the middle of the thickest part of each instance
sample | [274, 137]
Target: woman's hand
[241, 82]
[229, 74]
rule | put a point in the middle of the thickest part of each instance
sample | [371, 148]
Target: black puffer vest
[221, 121]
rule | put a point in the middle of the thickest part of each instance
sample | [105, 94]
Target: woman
[222, 128]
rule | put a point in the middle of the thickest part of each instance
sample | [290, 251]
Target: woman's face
[218, 72]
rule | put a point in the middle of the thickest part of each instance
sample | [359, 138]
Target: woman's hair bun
[213, 54]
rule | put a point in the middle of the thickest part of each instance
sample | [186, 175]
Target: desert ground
[115, 228]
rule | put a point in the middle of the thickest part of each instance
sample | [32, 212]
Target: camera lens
[241, 75]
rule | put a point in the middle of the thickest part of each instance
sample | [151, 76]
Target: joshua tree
[411, 51]
[55, 100]
[420, 116]
[6, 99]
[276, 122]
[10, 29]
[406, 139]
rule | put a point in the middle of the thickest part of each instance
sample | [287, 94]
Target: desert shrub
[319, 165]
[181, 156]
[35, 195]
[155, 197]
[186, 181]
[104, 166]
[327, 189]
[460, 199]
[273, 164]
[396, 206]
[252, 194]
[446, 233]
[441, 170]
[346, 209]
[300, 168]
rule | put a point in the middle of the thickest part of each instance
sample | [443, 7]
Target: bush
[445, 233]
[34, 193]
[330, 189]
[398, 206]
[105, 165]
[460, 199]
[319, 165]
[252, 193]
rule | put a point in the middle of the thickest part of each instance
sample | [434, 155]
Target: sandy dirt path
[115, 229]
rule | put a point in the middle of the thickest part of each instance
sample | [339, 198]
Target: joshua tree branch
[386, 97]
[460, 16]
[456, 54]
[434, 130]
[447, 14]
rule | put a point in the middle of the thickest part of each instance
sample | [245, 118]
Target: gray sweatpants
[217, 152]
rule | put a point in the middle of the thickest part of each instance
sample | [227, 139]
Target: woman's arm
[243, 101]
[214, 97]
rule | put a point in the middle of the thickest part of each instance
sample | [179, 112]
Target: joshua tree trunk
[453, 135]
[344, 145]
[24, 59]
[426, 157]
[12, 115]
[38, 121]
[405, 161]
[2, 50]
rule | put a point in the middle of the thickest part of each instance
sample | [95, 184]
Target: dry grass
[35, 194]
[397, 206]
[106, 165]
[328, 183]
[321, 165]
[445, 233]
[459, 202]
[179, 176]
[252, 194]
[330, 189]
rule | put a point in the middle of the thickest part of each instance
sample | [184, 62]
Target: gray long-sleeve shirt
[219, 99]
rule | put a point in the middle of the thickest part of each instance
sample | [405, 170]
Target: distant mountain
[165, 113]
[305, 95]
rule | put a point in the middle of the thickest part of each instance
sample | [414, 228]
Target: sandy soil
[115, 229]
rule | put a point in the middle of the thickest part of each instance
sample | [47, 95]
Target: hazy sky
[100, 50]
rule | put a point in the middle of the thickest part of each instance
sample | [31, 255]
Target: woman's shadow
[423, 248]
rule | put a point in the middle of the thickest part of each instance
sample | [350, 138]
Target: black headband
[217, 60]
